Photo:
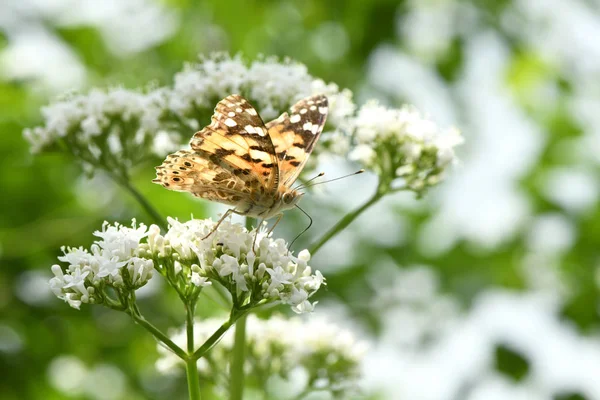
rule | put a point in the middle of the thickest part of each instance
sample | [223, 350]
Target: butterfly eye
[287, 198]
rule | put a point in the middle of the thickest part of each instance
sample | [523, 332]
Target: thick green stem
[189, 325]
[236, 391]
[237, 363]
[191, 367]
[344, 222]
[193, 380]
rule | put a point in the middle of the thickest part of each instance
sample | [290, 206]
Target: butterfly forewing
[188, 172]
[294, 135]
[237, 140]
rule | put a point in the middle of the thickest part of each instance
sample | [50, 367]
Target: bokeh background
[486, 289]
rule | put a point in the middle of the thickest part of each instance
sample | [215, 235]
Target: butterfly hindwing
[237, 140]
[294, 135]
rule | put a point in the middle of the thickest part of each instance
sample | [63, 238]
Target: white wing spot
[307, 126]
[310, 102]
[323, 110]
[295, 118]
[231, 114]
[313, 108]
[303, 111]
[250, 129]
[251, 111]
[238, 110]
[229, 122]
[315, 129]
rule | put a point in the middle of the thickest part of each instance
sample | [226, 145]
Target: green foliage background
[42, 211]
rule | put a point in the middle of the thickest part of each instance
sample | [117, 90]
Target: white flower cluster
[112, 261]
[115, 129]
[330, 356]
[402, 143]
[270, 84]
[118, 121]
[266, 273]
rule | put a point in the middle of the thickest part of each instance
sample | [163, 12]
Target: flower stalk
[193, 380]
[146, 206]
[239, 347]
[239, 357]
[344, 222]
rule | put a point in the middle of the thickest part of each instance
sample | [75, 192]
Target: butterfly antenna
[308, 181]
[360, 171]
[307, 228]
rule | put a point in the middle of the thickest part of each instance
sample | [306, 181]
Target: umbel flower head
[254, 275]
[111, 262]
[112, 128]
[329, 356]
[401, 143]
[124, 260]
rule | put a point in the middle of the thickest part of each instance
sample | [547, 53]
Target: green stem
[211, 341]
[189, 325]
[150, 210]
[236, 391]
[159, 335]
[237, 364]
[193, 380]
[344, 222]
[191, 367]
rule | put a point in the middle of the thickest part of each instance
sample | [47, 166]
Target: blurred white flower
[575, 189]
[266, 273]
[277, 346]
[70, 376]
[402, 143]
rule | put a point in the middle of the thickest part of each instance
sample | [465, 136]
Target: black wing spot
[187, 164]
[223, 152]
[295, 163]
[267, 165]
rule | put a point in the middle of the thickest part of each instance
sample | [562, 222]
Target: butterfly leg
[256, 235]
[279, 216]
[227, 213]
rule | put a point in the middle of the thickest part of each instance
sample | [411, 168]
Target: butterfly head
[289, 199]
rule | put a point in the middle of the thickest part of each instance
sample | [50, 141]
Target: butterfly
[240, 161]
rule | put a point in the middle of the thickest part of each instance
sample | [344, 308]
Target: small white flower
[278, 277]
[200, 281]
[304, 307]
